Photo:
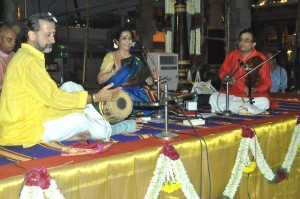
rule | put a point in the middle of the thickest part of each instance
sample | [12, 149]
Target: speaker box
[167, 64]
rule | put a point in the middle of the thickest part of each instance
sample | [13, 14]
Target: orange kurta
[231, 63]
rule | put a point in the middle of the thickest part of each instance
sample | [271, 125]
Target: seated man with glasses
[233, 72]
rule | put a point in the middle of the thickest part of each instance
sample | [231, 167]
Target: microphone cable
[201, 138]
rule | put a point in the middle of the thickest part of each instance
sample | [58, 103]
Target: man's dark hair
[33, 21]
[249, 30]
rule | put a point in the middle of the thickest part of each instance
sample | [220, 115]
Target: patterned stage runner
[11, 154]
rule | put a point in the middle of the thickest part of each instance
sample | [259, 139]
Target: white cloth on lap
[238, 105]
[72, 124]
[91, 120]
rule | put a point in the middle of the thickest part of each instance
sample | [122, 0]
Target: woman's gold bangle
[94, 98]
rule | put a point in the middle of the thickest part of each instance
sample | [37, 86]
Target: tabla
[118, 110]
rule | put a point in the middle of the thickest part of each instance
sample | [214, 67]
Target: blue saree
[131, 77]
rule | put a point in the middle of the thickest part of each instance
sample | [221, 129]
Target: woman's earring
[133, 44]
[116, 46]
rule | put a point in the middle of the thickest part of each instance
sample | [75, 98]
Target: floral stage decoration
[38, 184]
[170, 175]
[244, 165]
[169, 17]
[194, 9]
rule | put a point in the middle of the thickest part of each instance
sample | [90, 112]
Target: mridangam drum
[118, 110]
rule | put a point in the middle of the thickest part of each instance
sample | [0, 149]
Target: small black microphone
[241, 62]
[184, 97]
[227, 78]
[136, 45]
[245, 66]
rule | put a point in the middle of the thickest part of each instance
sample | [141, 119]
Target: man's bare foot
[81, 136]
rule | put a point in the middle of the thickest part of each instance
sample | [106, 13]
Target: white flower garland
[243, 160]
[169, 42]
[193, 8]
[170, 170]
[169, 10]
[292, 152]
[36, 192]
[237, 171]
[260, 160]
[158, 178]
[182, 177]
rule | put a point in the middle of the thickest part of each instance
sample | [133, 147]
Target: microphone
[245, 66]
[136, 45]
[230, 75]
[145, 53]
[181, 98]
[227, 78]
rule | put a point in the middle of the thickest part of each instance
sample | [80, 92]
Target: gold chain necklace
[123, 55]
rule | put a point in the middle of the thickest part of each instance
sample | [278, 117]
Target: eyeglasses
[245, 40]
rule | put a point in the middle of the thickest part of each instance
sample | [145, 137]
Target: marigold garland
[171, 186]
[250, 168]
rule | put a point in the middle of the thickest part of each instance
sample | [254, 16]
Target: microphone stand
[227, 112]
[227, 80]
[157, 113]
[166, 134]
[250, 88]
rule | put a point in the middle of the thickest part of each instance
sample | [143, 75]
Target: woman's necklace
[123, 56]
